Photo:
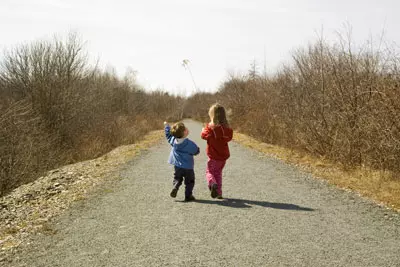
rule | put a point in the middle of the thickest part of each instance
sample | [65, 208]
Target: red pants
[214, 173]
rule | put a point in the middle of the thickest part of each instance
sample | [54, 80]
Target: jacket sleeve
[168, 135]
[228, 134]
[205, 133]
[193, 149]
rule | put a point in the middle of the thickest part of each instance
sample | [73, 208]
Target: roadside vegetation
[332, 104]
[56, 109]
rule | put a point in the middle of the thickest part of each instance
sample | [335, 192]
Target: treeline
[332, 100]
[56, 109]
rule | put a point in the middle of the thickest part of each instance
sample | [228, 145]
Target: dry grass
[56, 109]
[380, 186]
[337, 100]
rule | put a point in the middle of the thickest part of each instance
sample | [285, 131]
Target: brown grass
[56, 109]
[334, 100]
[380, 186]
[337, 103]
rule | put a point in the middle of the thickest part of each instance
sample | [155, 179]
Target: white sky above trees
[217, 36]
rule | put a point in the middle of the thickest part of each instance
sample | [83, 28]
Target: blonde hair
[178, 130]
[218, 115]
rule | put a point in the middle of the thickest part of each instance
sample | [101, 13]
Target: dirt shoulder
[28, 208]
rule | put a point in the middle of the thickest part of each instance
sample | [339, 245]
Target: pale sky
[217, 36]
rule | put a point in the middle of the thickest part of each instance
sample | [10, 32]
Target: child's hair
[178, 130]
[218, 114]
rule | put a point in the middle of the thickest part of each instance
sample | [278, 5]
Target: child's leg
[178, 177]
[210, 171]
[189, 182]
[219, 166]
[214, 173]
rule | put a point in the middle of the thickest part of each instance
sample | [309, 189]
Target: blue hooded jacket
[182, 151]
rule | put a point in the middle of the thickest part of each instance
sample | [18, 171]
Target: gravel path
[274, 215]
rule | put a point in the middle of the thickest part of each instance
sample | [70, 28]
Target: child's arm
[205, 133]
[170, 138]
[193, 149]
[197, 152]
[228, 134]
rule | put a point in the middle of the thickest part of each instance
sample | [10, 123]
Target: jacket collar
[179, 140]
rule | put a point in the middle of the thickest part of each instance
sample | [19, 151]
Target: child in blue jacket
[181, 157]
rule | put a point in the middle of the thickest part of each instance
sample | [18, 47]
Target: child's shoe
[220, 197]
[190, 198]
[214, 192]
[174, 192]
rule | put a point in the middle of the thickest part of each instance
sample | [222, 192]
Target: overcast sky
[154, 36]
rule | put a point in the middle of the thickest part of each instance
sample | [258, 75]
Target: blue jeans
[188, 175]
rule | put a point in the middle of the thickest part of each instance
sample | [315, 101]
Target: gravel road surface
[273, 215]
